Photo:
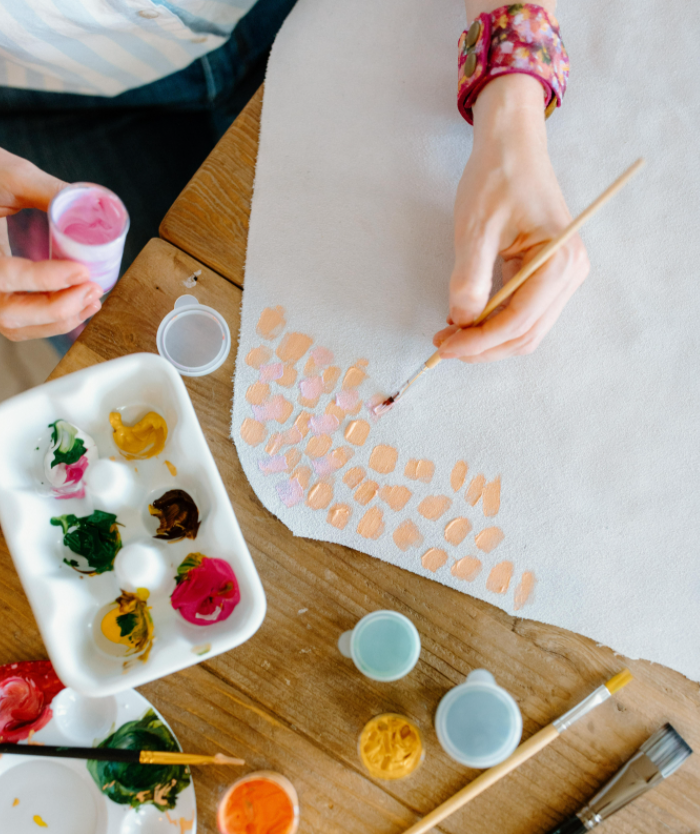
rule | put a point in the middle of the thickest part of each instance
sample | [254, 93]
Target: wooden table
[286, 700]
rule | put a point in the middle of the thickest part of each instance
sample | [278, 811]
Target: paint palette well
[69, 606]
[61, 797]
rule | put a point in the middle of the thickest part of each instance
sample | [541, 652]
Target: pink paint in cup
[88, 224]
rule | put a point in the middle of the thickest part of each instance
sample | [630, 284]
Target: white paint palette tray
[68, 605]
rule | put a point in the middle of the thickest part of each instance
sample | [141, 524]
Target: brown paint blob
[355, 375]
[491, 497]
[395, 496]
[457, 530]
[459, 473]
[356, 432]
[320, 496]
[433, 559]
[467, 568]
[499, 578]
[252, 432]
[318, 446]
[419, 470]
[383, 459]
[339, 515]
[289, 376]
[525, 588]
[434, 506]
[258, 357]
[407, 535]
[489, 539]
[257, 393]
[293, 346]
[354, 477]
[271, 322]
[371, 524]
[476, 487]
[366, 492]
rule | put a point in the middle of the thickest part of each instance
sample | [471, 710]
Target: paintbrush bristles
[667, 749]
[618, 681]
[166, 757]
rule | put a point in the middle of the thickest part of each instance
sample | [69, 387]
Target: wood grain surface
[287, 700]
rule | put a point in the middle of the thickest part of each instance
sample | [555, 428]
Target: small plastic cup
[384, 645]
[258, 806]
[88, 224]
[195, 339]
[478, 723]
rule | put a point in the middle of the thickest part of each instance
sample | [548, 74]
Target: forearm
[476, 7]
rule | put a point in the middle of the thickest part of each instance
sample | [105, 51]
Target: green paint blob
[67, 447]
[137, 784]
[95, 537]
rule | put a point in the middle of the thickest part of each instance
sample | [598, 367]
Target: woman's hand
[42, 298]
[508, 203]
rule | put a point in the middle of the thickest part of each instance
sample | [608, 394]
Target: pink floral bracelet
[518, 38]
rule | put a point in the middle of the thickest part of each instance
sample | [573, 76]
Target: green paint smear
[137, 784]
[94, 537]
[68, 448]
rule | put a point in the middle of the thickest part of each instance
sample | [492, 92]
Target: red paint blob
[208, 594]
[26, 692]
[257, 806]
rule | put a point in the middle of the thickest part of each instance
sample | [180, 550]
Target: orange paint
[457, 530]
[491, 497]
[171, 468]
[434, 506]
[293, 346]
[341, 456]
[302, 475]
[256, 806]
[468, 568]
[354, 477]
[185, 825]
[257, 393]
[289, 376]
[371, 524]
[407, 535]
[476, 487]
[433, 559]
[419, 470]
[318, 446]
[499, 578]
[339, 515]
[302, 423]
[293, 456]
[459, 473]
[320, 496]
[366, 492]
[258, 357]
[330, 376]
[336, 411]
[383, 459]
[252, 432]
[356, 432]
[395, 496]
[355, 375]
[489, 539]
[279, 440]
[524, 590]
[271, 322]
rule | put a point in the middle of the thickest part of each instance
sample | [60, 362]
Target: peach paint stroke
[523, 593]
[318, 446]
[383, 459]
[371, 525]
[258, 356]
[395, 496]
[467, 568]
[356, 432]
[433, 559]
[434, 506]
[457, 530]
[339, 515]
[459, 473]
[355, 375]
[257, 393]
[271, 323]
[270, 373]
[332, 462]
[320, 496]
[489, 539]
[252, 432]
[420, 470]
[407, 535]
[366, 492]
[276, 408]
[499, 578]
[474, 490]
[293, 346]
[354, 477]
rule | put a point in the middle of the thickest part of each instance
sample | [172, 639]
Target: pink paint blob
[277, 463]
[274, 409]
[26, 692]
[323, 424]
[290, 492]
[311, 387]
[74, 473]
[322, 356]
[208, 593]
[93, 217]
[268, 373]
[347, 399]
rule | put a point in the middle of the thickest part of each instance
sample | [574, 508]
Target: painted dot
[354, 477]
[459, 473]
[330, 377]
[293, 346]
[356, 432]
[407, 535]
[457, 530]
[366, 492]
[333, 409]
[252, 432]
[302, 423]
[467, 568]
[320, 496]
[491, 497]
[271, 372]
[489, 539]
[371, 524]
[289, 376]
[419, 470]
[434, 506]
[474, 490]
[395, 496]
[276, 408]
[271, 322]
[433, 559]
[257, 393]
[383, 459]
[303, 475]
[356, 375]
[318, 446]
[499, 578]
[523, 592]
[339, 515]
[258, 356]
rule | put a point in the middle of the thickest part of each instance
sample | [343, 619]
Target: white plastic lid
[194, 338]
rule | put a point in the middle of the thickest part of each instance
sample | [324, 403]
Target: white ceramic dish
[62, 794]
[65, 603]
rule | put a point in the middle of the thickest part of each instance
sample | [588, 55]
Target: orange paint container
[260, 803]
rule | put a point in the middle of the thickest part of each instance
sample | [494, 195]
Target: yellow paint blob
[252, 432]
[371, 524]
[407, 535]
[354, 477]
[467, 568]
[491, 497]
[171, 468]
[15, 803]
[395, 496]
[459, 473]
[383, 459]
[489, 539]
[257, 393]
[39, 821]
[419, 470]
[140, 634]
[339, 515]
[390, 746]
[258, 357]
[499, 578]
[366, 492]
[271, 322]
[474, 490]
[356, 432]
[293, 346]
[434, 506]
[320, 496]
[457, 530]
[144, 440]
[524, 590]
[433, 558]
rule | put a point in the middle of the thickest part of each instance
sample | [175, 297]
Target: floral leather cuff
[518, 38]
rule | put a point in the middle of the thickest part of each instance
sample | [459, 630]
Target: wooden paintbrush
[114, 754]
[521, 276]
[526, 751]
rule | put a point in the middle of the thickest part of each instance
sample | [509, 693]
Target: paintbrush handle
[547, 251]
[526, 750]
[100, 754]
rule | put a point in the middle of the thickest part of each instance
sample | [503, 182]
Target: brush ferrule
[583, 708]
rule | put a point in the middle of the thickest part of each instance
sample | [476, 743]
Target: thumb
[472, 276]
[23, 185]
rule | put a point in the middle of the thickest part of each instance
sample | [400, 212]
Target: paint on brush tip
[339, 515]
[457, 530]
[434, 506]
[271, 323]
[383, 459]
[252, 432]
[407, 535]
[433, 559]
[524, 591]
[499, 578]
[371, 524]
[489, 539]
[467, 568]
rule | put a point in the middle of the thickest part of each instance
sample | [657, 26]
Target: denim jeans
[146, 143]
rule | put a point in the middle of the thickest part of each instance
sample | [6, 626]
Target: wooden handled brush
[114, 754]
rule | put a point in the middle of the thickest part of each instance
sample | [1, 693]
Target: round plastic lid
[194, 338]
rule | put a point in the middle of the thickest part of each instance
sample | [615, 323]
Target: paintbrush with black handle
[116, 754]
[660, 756]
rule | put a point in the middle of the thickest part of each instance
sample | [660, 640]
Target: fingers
[23, 185]
[24, 334]
[58, 312]
[21, 275]
[470, 283]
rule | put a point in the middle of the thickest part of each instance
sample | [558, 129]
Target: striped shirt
[104, 47]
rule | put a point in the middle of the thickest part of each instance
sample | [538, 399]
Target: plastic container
[478, 723]
[384, 645]
[194, 338]
[253, 809]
